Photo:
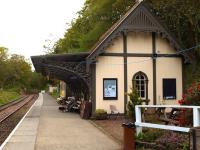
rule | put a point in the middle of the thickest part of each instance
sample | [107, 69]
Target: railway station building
[137, 51]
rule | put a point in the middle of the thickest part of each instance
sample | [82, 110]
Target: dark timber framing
[93, 87]
[139, 55]
[183, 81]
[125, 70]
[154, 68]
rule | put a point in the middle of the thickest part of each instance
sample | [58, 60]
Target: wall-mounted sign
[110, 88]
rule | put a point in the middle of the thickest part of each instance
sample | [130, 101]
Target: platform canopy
[70, 68]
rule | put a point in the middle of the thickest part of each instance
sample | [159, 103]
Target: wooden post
[195, 138]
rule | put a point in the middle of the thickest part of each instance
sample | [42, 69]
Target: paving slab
[20, 146]
[47, 128]
[67, 131]
[24, 135]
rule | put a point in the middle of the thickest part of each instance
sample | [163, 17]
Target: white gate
[139, 124]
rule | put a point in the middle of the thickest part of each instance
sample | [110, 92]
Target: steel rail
[28, 98]
[13, 102]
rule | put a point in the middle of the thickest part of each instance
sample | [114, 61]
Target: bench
[113, 111]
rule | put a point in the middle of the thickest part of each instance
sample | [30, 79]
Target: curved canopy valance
[70, 68]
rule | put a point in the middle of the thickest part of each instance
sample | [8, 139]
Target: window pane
[142, 87]
[169, 88]
[142, 77]
[142, 82]
[142, 94]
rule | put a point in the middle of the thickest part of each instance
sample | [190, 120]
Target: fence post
[196, 119]
[138, 116]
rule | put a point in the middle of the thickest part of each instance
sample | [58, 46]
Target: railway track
[12, 113]
[10, 108]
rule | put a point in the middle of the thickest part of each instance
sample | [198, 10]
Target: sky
[25, 25]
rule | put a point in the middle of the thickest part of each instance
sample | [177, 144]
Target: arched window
[140, 82]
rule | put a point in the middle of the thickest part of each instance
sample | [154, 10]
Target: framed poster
[110, 89]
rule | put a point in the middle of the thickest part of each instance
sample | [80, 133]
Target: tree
[3, 54]
[94, 19]
[15, 72]
[3, 65]
[20, 70]
[37, 81]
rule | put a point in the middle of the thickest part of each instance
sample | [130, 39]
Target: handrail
[139, 124]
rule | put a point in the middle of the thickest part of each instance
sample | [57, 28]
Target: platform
[46, 128]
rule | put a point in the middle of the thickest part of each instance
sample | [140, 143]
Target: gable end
[138, 19]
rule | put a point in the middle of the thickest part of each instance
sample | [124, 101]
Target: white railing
[139, 124]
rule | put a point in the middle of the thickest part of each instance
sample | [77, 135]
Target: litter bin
[86, 109]
[129, 136]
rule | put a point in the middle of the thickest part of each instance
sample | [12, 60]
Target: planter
[101, 116]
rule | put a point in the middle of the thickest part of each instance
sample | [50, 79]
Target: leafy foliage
[191, 95]
[150, 135]
[55, 94]
[15, 73]
[134, 100]
[100, 114]
[94, 19]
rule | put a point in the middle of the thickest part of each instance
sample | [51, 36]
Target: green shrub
[150, 135]
[55, 93]
[134, 100]
[100, 111]
[100, 114]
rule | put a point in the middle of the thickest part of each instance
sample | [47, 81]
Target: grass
[8, 96]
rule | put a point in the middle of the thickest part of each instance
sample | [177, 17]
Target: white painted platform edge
[13, 131]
